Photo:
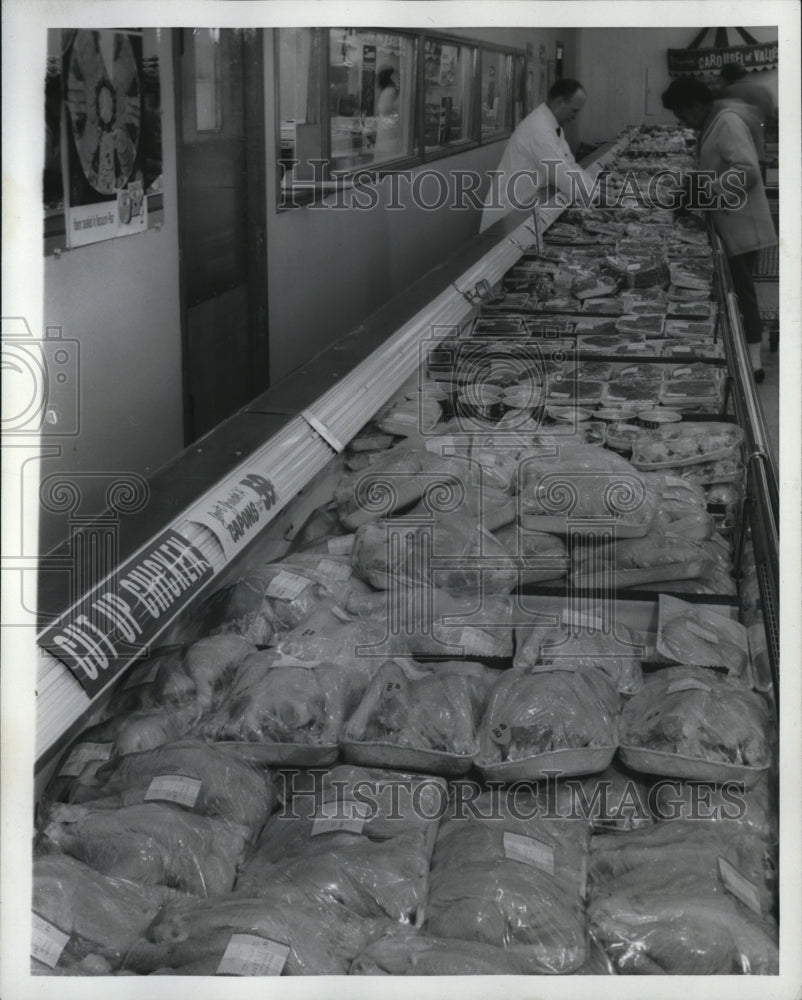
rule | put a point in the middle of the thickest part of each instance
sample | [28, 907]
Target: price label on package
[582, 619]
[340, 816]
[500, 733]
[286, 586]
[47, 941]
[174, 788]
[251, 955]
[82, 755]
[341, 545]
[477, 642]
[529, 851]
[739, 886]
[336, 572]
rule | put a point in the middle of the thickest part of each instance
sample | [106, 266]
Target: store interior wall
[120, 300]
[625, 71]
[330, 269]
[327, 271]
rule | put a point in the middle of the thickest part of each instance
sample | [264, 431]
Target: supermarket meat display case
[518, 532]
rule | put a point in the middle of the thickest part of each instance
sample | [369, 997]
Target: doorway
[221, 212]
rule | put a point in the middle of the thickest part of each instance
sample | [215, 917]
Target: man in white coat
[538, 157]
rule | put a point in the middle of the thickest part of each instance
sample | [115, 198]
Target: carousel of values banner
[751, 57]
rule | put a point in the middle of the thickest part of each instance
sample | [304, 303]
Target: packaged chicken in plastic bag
[151, 842]
[285, 713]
[437, 623]
[689, 722]
[583, 638]
[508, 873]
[406, 552]
[633, 562]
[536, 721]
[197, 776]
[236, 609]
[420, 717]
[332, 635]
[404, 951]
[539, 556]
[582, 482]
[358, 835]
[289, 930]
[85, 922]
[686, 443]
[694, 634]
[687, 897]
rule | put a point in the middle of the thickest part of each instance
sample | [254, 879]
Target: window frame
[296, 197]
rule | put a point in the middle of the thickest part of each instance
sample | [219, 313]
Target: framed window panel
[448, 93]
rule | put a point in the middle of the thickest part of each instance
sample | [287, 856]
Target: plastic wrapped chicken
[419, 717]
[436, 622]
[515, 883]
[657, 556]
[200, 777]
[360, 836]
[288, 930]
[686, 443]
[684, 898]
[404, 951]
[692, 634]
[404, 553]
[690, 722]
[534, 721]
[151, 842]
[284, 705]
[582, 640]
[85, 922]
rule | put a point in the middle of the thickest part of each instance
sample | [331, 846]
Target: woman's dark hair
[564, 89]
[385, 77]
[732, 72]
[686, 92]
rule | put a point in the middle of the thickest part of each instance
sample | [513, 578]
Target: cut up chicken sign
[112, 624]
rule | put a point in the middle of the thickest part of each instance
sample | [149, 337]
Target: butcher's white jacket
[533, 142]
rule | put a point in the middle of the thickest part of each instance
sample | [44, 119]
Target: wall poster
[103, 157]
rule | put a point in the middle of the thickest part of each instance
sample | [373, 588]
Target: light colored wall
[328, 270]
[120, 300]
[626, 70]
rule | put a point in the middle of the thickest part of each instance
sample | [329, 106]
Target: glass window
[448, 93]
[371, 97]
[298, 104]
[496, 107]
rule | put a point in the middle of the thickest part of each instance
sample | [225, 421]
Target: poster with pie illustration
[102, 79]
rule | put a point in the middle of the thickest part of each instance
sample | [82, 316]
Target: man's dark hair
[732, 72]
[686, 92]
[564, 89]
[385, 77]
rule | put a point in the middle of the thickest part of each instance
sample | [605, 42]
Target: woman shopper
[745, 226]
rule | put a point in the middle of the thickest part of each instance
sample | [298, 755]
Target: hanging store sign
[750, 57]
[238, 512]
[109, 628]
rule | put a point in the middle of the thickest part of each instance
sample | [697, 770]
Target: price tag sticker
[286, 586]
[337, 572]
[739, 886]
[582, 619]
[477, 642]
[82, 755]
[341, 545]
[404, 418]
[500, 733]
[174, 788]
[250, 955]
[47, 942]
[529, 851]
[559, 395]
[342, 615]
[689, 684]
[340, 816]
